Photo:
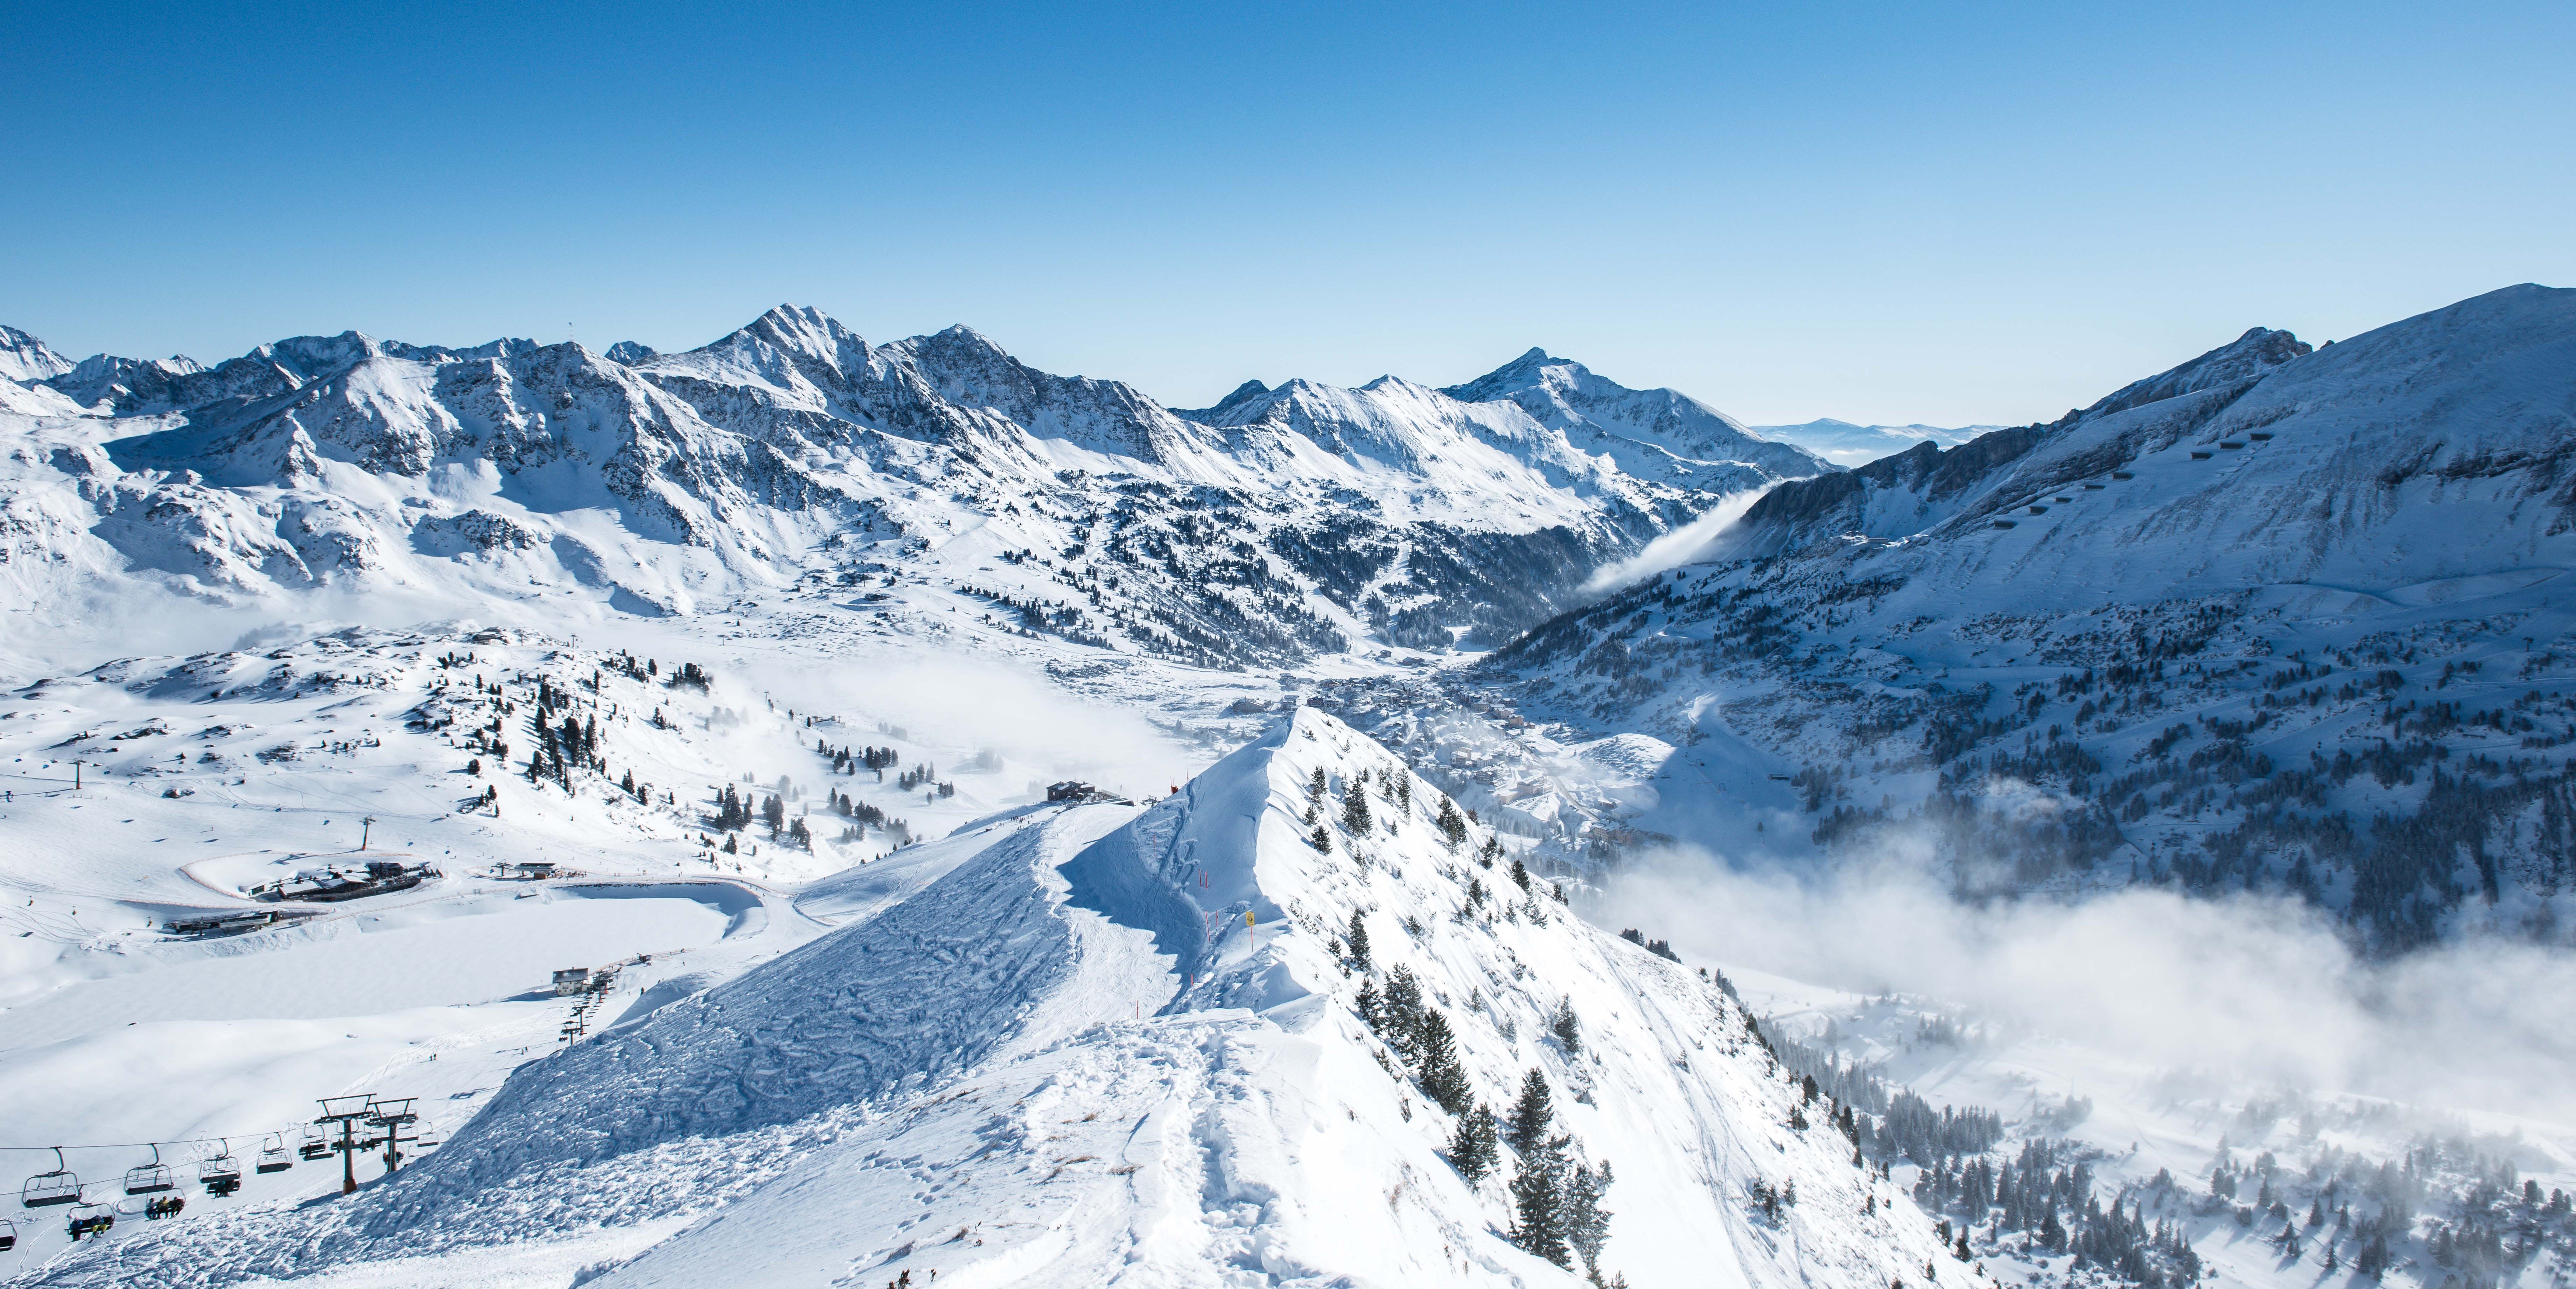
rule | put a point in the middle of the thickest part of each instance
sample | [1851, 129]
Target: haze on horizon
[1876, 213]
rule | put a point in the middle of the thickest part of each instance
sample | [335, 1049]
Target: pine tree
[1567, 1029]
[1532, 1115]
[1355, 809]
[1357, 942]
[1587, 1224]
[774, 813]
[1316, 785]
[1372, 1006]
[1436, 1054]
[1450, 823]
[1321, 839]
[1475, 1148]
[1404, 1013]
[798, 833]
[1538, 1204]
[1520, 874]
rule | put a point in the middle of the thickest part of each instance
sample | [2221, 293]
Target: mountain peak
[2250, 355]
[24, 357]
[1664, 423]
[1244, 393]
[958, 337]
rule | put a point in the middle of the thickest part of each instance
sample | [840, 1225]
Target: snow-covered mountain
[793, 449]
[2274, 619]
[879, 1001]
[25, 358]
[1192, 1044]
[1846, 444]
[1651, 433]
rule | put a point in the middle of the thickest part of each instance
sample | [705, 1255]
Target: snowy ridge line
[959, 1083]
[930, 475]
[2279, 619]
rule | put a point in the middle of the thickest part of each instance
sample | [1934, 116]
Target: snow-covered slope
[791, 449]
[1651, 433]
[1846, 444]
[2274, 618]
[24, 358]
[1122, 1047]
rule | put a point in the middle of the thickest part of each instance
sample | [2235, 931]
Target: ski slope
[1072, 1059]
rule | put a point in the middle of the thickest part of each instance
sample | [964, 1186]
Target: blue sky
[1878, 212]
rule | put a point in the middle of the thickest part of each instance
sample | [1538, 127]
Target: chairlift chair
[274, 1157]
[221, 1174]
[8, 1235]
[90, 1219]
[145, 1179]
[61, 1186]
[316, 1144]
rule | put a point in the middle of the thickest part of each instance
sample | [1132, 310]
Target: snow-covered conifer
[1355, 808]
[1538, 1203]
[1450, 823]
[1565, 1026]
[1532, 1115]
[1476, 1146]
[1436, 1054]
[1587, 1224]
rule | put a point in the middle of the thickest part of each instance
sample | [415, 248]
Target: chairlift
[90, 1219]
[61, 1186]
[392, 1110]
[274, 1157]
[221, 1174]
[8, 1235]
[145, 1179]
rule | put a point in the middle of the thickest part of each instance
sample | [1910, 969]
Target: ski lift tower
[393, 1116]
[347, 1112]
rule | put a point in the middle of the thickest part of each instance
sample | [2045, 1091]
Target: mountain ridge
[793, 446]
[2274, 619]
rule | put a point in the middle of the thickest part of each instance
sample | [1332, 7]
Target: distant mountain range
[1279, 524]
[1846, 444]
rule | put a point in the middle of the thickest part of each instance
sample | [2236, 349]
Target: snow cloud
[967, 705]
[2260, 991]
